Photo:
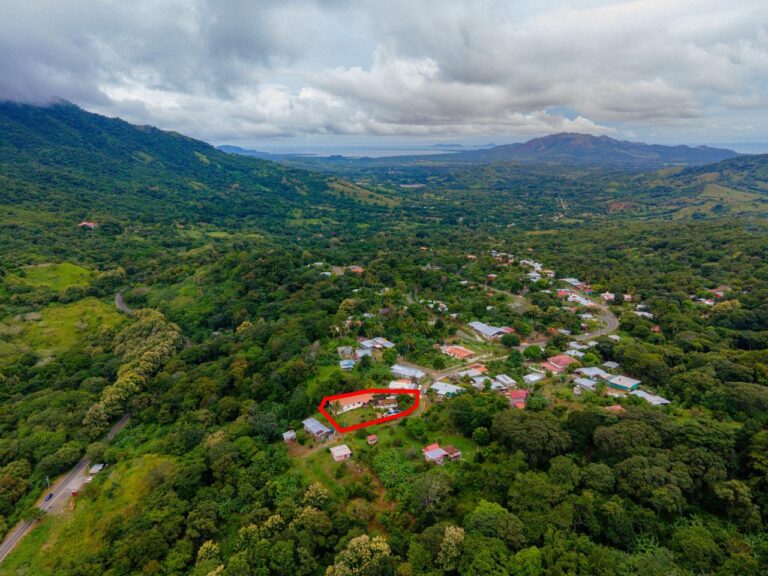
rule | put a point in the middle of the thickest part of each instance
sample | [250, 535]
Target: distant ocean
[754, 148]
[364, 151]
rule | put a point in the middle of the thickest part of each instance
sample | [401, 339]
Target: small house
[361, 353]
[444, 389]
[387, 403]
[593, 372]
[458, 352]
[340, 453]
[352, 402]
[289, 437]
[650, 398]
[453, 452]
[623, 383]
[585, 384]
[434, 454]
[610, 365]
[372, 439]
[316, 429]
[558, 364]
[407, 372]
[402, 384]
[517, 398]
[489, 332]
[532, 378]
[345, 352]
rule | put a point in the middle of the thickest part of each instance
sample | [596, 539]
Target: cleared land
[100, 503]
[55, 328]
[52, 276]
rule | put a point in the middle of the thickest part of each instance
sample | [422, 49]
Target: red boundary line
[415, 393]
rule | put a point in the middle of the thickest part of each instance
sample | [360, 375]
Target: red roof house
[453, 452]
[558, 364]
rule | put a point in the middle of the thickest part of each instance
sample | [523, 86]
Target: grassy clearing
[342, 188]
[57, 536]
[56, 327]
[56, 277]
[716, 197]
[729, 195]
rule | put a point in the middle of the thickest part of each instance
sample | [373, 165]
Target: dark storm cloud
[251, 69]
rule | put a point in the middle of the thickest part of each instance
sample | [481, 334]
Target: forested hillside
[243, 284]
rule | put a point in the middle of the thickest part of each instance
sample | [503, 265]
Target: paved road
[120, 303]
[60, 490]
[608, 318]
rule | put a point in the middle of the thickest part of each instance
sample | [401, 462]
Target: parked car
[49, 496]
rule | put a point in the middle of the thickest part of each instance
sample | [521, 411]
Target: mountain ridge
[577, 148]
[84, 164]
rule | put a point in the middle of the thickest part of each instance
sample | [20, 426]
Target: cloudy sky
[266, 73]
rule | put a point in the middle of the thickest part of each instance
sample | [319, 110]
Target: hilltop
[572, 148]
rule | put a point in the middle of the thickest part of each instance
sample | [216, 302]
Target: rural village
[558, 366]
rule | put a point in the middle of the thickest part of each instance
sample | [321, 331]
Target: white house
[340, 453]
[487, 331]
[650, 398]
[532, 378]
[407, 372]
[446, 389]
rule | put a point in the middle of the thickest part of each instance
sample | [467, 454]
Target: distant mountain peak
[577, 148]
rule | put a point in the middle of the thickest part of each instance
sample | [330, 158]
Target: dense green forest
[238, 278]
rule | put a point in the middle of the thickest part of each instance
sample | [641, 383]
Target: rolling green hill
[70, 162]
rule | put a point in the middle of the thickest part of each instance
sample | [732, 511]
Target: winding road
[61, 493]
[121, 305]
[608, 318]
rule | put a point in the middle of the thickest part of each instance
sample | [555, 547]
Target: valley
[589, 344]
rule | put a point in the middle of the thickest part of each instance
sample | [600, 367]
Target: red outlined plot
[327, 399]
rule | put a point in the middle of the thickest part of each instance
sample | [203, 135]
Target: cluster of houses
[617, 385]
[479, 379]
[611, 297]
[717, 293]
[537, 270]
[433, 454]
[575, 298]
[349, 356]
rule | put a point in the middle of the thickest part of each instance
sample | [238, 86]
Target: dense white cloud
[247, 70]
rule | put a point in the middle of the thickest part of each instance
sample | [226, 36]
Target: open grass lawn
[356, 416]
[67, 539]
[56, 277]
[56, 328]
